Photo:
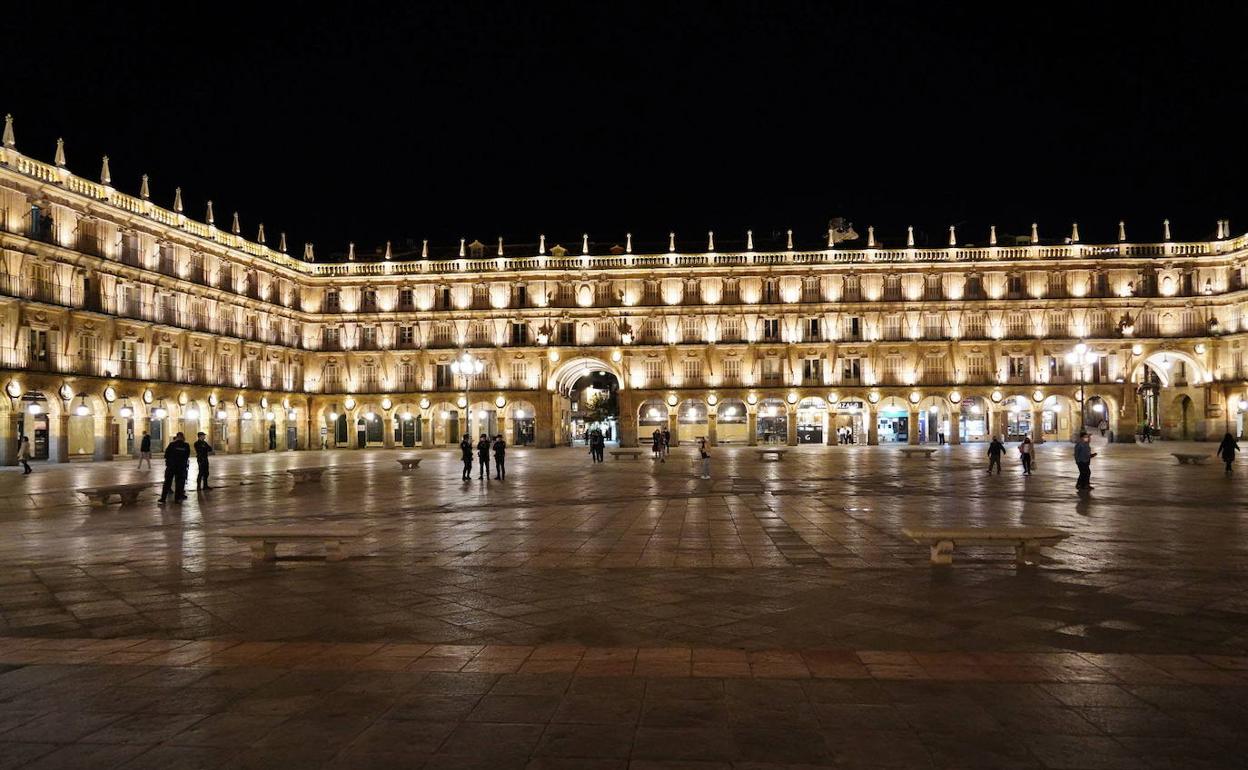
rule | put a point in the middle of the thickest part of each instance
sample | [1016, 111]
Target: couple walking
[484, 447]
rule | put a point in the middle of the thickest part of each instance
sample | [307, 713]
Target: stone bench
[912, 451]
[633, 453]
[407, 463]
[777, 453]
[264, 540]
[101, 496]
[1185, 458]
[942, 540]
[306, 474]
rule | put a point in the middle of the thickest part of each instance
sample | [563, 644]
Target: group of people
[484, 447]
[178, 464]
[661, 444]
[996, 450]
[597, 444]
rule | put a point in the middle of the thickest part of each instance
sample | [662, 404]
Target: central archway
[566, 374]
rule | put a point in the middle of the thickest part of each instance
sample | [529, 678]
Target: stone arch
[771, 424]
[520, 423]
[893, 420]
[652, 414]
[566, 374]
[1184, 418]
[692, 419]
[812, 419]
[444, 419]
[934, 419]
[732, 420]
[1161, 362]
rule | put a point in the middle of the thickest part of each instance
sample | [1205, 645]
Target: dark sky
[457, 119]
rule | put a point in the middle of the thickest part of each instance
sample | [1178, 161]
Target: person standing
[597, 445]
[656, 442]
[667, 442]
[995, 450]
[23, 454]
[145, 451]
[202, 450]
[483, 458]
[500, 457]
[1083, 459]
[706, 458]
[1227, 450]
[465, 452]
[1027, 451]
[177, 463]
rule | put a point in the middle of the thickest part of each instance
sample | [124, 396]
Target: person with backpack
[995, 450]
[1227, 450]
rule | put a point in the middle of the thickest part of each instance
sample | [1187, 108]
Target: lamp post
[1080, 358]
[468, 367]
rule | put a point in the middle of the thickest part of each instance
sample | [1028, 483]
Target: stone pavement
[630, 615]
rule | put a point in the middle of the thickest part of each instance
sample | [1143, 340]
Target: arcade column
[955, 424]
[103, 447]
[873, 430]
[712, 436]
[426, 431]
[1037, 426]
[673, 425]
[829, 430]
[387, 430]
[751, 429]
[791, 429]
[9, 434]
[627, 423]
[58, 438]
[1128, 417]
[912, 431]
[544, 423]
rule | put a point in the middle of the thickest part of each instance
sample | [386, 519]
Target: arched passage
[974, 419]
[731, 421]
[692, 420]
[893, 420]
[772, 425]
[812, 420]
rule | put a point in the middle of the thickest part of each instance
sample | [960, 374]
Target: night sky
[443, 121]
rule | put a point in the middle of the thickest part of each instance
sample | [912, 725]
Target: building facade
[118, 316]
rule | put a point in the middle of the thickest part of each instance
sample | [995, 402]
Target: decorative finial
[628, 243]
[1074, 232]
[910, 236]
[585, 243]
[1220, 236]
[953, 235]
[671, 243]
[1035, 233]
[307, 252]
[830, 241]
[461, 248]
[541, 244]
[500, 245]
[106, 177]
[870, 237]
[992, 235]
[1165, 226]
[234, 226]
[351, 251]
[389, 253]
[1122, 230]
[144, 191]
[260, 235]
[10, 140]
[177, 199]
[788, 243]
[710, 240]
[749, 240]
[60, 153]
[281, 243]
[210, 218]
[424, 249]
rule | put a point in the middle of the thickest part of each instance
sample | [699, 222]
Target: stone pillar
[1037, 426]
[387, 433]
[544, 422]
[955, 425]
[1128, 416]
[873, 429]
[829, 428]
[426, 431]
[8, 437]
[912, 432]
[751, 428]
[103, 449]
[627, 423]
[673, 425]
[791, 429]
[58, 438]
[712, 437]
[234, 435]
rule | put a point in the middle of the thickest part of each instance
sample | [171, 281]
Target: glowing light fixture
[221, 414]
[192, 413]
[13, 388]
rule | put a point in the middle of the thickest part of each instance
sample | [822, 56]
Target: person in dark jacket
[1227, 450]
[597, 445]
[202, 450]
[145, 450]
[656, 443]
[483, 457]
[1083, 460]
[995, 450]
[500, 457]
[177, 463]
[465, 452]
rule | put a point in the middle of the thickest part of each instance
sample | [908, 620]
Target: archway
[593, 404]
[933, 420]
[1169, 368]
[1184, 419]
[444, 421]
[853, 415]
[893, 420]
[692, 420]
[731, 422]
[521, 417]
[812, 420]
[483, 419]
[407, 425]
[973, 420]
[772, 425]
[651, 416]
[1017, 410]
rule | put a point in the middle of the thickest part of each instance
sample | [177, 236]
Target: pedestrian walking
[706, 458]
[656, 440]
[1104, 426]
[597, 445]
[500, 457]
[465, 451]
[995, 450]
[1083, 459]
[177, 464]
[667, 442]
[1227, 450]
[202, 450]
[1027, 451]
[23, 454]
[483, 457]
[145, 451]
[1146, 433]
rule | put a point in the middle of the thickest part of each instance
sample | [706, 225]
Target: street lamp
[468, 367]
[1080, 358]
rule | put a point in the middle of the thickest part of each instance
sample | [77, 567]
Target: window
[88, 354]
[1020, 368]
[771, 329]
[853, 328]
[329, 338]
[407, 336]
[406, 380]
[975, 286]
[931, 288]
[934, 369]
[651, 293]
[406, 299]
[933, 326]
[731, 330]
[368, 301]
[522, 296]
[519, 334]
[567, 333]
[519, 374]
[164, 363]
[892, 287]
[691, 328]
[368, 376]
[1016, 325]
[812, 370]
[769, 290]
[892, 326]
[38, 351]
[732, 370]
[973, 326]
[652, 330]
[654, 371]
[851, 370]
[977, 368]
[128, 353]
[892, 370]
[329, 377]
[198, 372]
[693, 372]
[1015, 285]
[333, 302]
[771, 371]
[443, 377]
[444, 298]
[812, 329]
[853, 288]
[442, 334]
[368, 338]
[1058, 323]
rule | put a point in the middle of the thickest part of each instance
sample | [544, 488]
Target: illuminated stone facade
[118, 316]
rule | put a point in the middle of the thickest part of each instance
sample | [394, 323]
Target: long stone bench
[301, 475]
[264, 540]
[618, 453]
[912, 451]
[942, 540]
[777, 453]
[407, 463]
[1186, 458]
[102, 496]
